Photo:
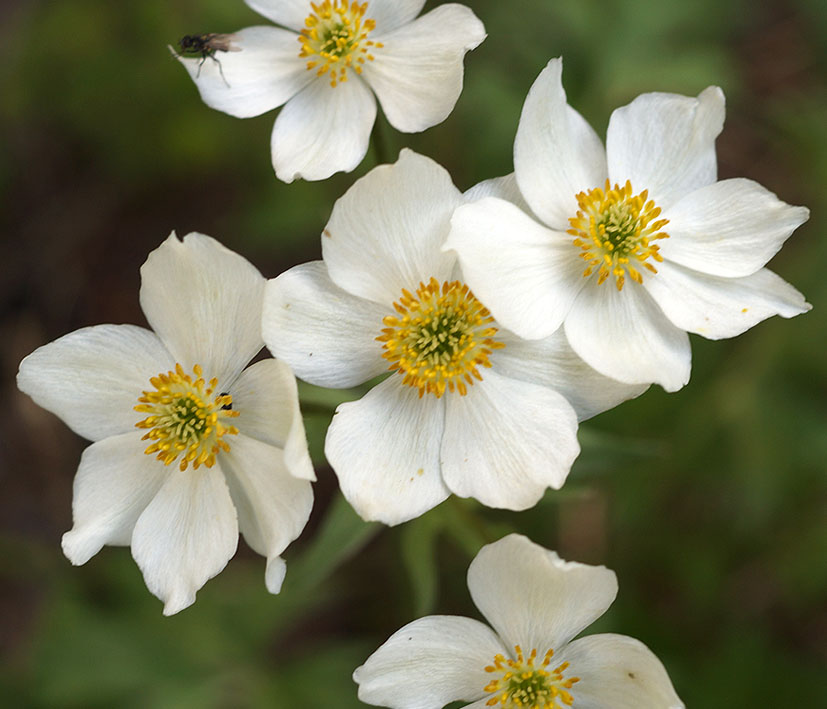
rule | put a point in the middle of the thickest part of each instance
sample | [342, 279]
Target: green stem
[468, 528]
[377, 139]
[311, 407]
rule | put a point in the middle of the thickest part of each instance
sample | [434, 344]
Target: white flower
[631, 247]
[470, 408]
[536, 603]
[187, 448]
[326, 66]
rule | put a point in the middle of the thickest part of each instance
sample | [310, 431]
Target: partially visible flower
[469, 408]
[326, 66]
[631, 247]
[187, 449]
[536, 603]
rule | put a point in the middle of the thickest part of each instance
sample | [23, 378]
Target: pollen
[439, 339]
[522, 683]
[616, 232]
[335, 39]
[187, 419]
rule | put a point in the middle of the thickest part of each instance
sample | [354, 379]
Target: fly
[205, 46]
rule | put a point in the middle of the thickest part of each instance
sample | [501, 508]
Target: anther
[440, 338]
[335, 31]
[184, 416]
[614, 231]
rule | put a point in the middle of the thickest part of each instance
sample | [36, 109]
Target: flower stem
[468, 528]
[379, 143]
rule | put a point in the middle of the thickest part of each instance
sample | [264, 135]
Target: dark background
[708, 503]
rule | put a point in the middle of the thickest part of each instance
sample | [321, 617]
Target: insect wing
[221, 42]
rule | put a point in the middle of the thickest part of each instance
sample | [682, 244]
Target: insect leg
[220, 69]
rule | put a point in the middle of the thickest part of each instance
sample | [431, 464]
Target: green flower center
[615, 231]
[440, 338]
[185, 418]
[522, 685]
[335, 38]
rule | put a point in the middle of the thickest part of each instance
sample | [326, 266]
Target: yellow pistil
[524, 685]
[335, 38]
[616, 230]
[186, 418]
[440, 338]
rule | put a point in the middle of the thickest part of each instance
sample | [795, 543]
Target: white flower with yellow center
[631, 247]
[189, 447]
[468, 407]
[326, 66]
[536, 603]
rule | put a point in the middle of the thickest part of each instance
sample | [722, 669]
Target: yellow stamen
[336, 37]
[185, 418]
[440, 338]
[521, 684]
[615, 231]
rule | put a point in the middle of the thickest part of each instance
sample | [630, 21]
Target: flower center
[521, 684]
[186, 418]
[440, 338]
[615, 231]
[336, 38]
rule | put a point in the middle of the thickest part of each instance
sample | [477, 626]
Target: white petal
[186, 535]
[626, 336]
[417, 75]
[390, 14]
[384, 449]
[292, 13]
[114, 483]
[204, 301]
[535, 599]
[92, 377]
[666, 143]
[429, 663]
[261, 72]
[504, 187]
[618, 672]
[268, 401]
[556, 152]
[273, 506]
[506, 441]
[274, 574]
[322, 130]
[288, 13]
[552, 363]
[729, 228]
[527, 275]
[722, 307]
[327, 336]
[386, 231]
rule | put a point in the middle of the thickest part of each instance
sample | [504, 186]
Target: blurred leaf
[318, 405]
[419, 539]
[320, 677]
[341, 536]
[602, 451]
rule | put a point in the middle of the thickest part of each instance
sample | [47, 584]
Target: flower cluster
[497, 320]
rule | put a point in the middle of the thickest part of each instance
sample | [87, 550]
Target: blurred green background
[709, 503]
